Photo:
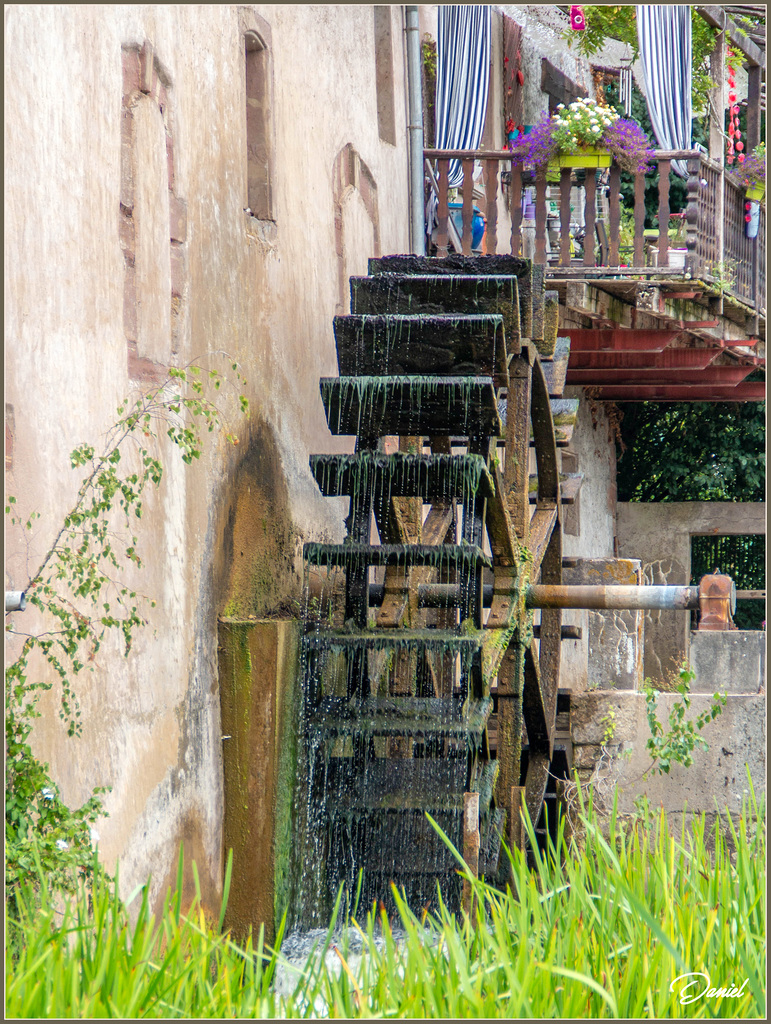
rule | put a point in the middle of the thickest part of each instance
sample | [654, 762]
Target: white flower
[62, 844]
[560, 106]
[46, 793]
[94, 835]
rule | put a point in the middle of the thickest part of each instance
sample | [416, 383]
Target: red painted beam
[733, 343]
[669, 359]
[618, 339]
[660, 375]
[752, 392]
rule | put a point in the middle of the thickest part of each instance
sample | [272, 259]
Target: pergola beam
[718, 18]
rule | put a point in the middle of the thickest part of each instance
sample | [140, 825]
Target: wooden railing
[717, 248]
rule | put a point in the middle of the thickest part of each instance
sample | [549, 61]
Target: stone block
[258, 694]
[177, 218]
[131, 73]
[718, 776]
[730, 662]
[615, 643]
[586, 755]
[146, 63]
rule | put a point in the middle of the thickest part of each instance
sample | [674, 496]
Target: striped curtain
[462, 81]
[665, 52]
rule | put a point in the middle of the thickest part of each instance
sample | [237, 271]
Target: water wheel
[413, 696]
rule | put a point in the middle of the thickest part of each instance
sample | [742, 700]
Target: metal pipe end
[15, 600]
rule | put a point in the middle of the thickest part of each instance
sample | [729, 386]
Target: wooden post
[491, 206]
[614, 219]
[716, 100]
[639, 220]
[590, 216]
[565, 217]
[467, 212]
[517, 834]
[540, 216]
[470, 848]
[515, 204]
[754, 78]
[443, 211]
[663, 257]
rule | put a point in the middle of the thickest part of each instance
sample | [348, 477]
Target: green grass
[603, 934]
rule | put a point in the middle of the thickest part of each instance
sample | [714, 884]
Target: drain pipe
[15, 601]
[417, 223]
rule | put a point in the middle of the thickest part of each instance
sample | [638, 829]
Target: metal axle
[628, 597]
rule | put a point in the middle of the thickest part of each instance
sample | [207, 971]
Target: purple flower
[625, 140]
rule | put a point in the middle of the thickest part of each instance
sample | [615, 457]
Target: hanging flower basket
[589, 156]
[757, 192]
[585, 134]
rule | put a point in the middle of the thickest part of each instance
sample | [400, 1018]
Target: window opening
[258, 154]
[384, 75]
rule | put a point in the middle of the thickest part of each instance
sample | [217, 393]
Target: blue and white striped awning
[665, 52]
[462, 84]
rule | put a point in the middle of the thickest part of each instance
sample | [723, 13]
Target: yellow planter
[589, 157]
[758, 193]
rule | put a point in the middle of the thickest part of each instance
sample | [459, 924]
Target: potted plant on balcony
[585, 134]
[753, 173]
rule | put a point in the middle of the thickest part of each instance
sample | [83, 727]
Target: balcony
[718, 253]
[710, 293]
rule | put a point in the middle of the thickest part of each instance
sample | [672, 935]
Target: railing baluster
[491, 205]
[443, 210]
[664, 168]
[467, 212]
[692, 218]
[614, 218]
[590, 216]
[565, 216]
[515, 200]
[714, 220]
[540, 216]
[639, 220]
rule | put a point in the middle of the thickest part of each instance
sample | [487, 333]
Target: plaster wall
[226, 533]
[589, 524]
[660, 535]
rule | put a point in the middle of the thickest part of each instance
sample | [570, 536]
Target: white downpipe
[417, 222]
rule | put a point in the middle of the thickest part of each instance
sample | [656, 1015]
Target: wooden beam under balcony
[746, 392]
[621, 340]
[669, 359]
[655, 376]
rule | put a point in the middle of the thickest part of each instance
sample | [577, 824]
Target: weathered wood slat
[541, 525]
[395, 716]
[403, 475]
[401, 405]
[570, 485]
[535, 704]
[536, 782]
[386, 345]
[407, 555]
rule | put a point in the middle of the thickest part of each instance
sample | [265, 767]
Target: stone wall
[610, 731]
[588, 524]
[660, 535]
[131, 246]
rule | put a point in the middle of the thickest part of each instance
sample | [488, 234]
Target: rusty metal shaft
[628, 597]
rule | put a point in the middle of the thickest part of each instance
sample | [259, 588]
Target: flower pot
[757, 192]
[676, 257]
[585, 157]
